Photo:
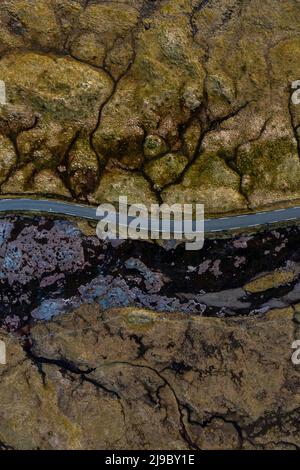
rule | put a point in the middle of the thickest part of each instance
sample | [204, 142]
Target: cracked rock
[136, 379]
[142, 80]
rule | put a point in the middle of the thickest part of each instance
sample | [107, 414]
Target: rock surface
[136, 379]
[207, 365]
[50, 266]
[161, 101]
[189, 101]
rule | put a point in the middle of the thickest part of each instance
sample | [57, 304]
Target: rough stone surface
[50, 266]
[98, 85]
[136, 379]
[126, 345]
[201, 358]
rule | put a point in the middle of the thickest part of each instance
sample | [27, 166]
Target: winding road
[89, 212]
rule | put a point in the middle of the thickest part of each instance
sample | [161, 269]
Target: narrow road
[89, 212]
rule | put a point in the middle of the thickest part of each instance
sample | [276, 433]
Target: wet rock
[153, 281]
[53, 262]
[231, 298]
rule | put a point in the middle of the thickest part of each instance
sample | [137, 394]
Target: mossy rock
[270, 281]
[145, 79]
[211, 182]
[83, 167]
[116, 182]
[57, 87]
[154, 146]
[8, 157]
[165, 170]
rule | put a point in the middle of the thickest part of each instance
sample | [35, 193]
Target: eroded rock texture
[179, 101]
[50, 266]
[195, 354]
[174, 101]
[135, 379]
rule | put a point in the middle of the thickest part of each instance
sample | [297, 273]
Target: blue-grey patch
[5, 229]
[52, 307]
[12, 259]
[67, 228]
[116, 297]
